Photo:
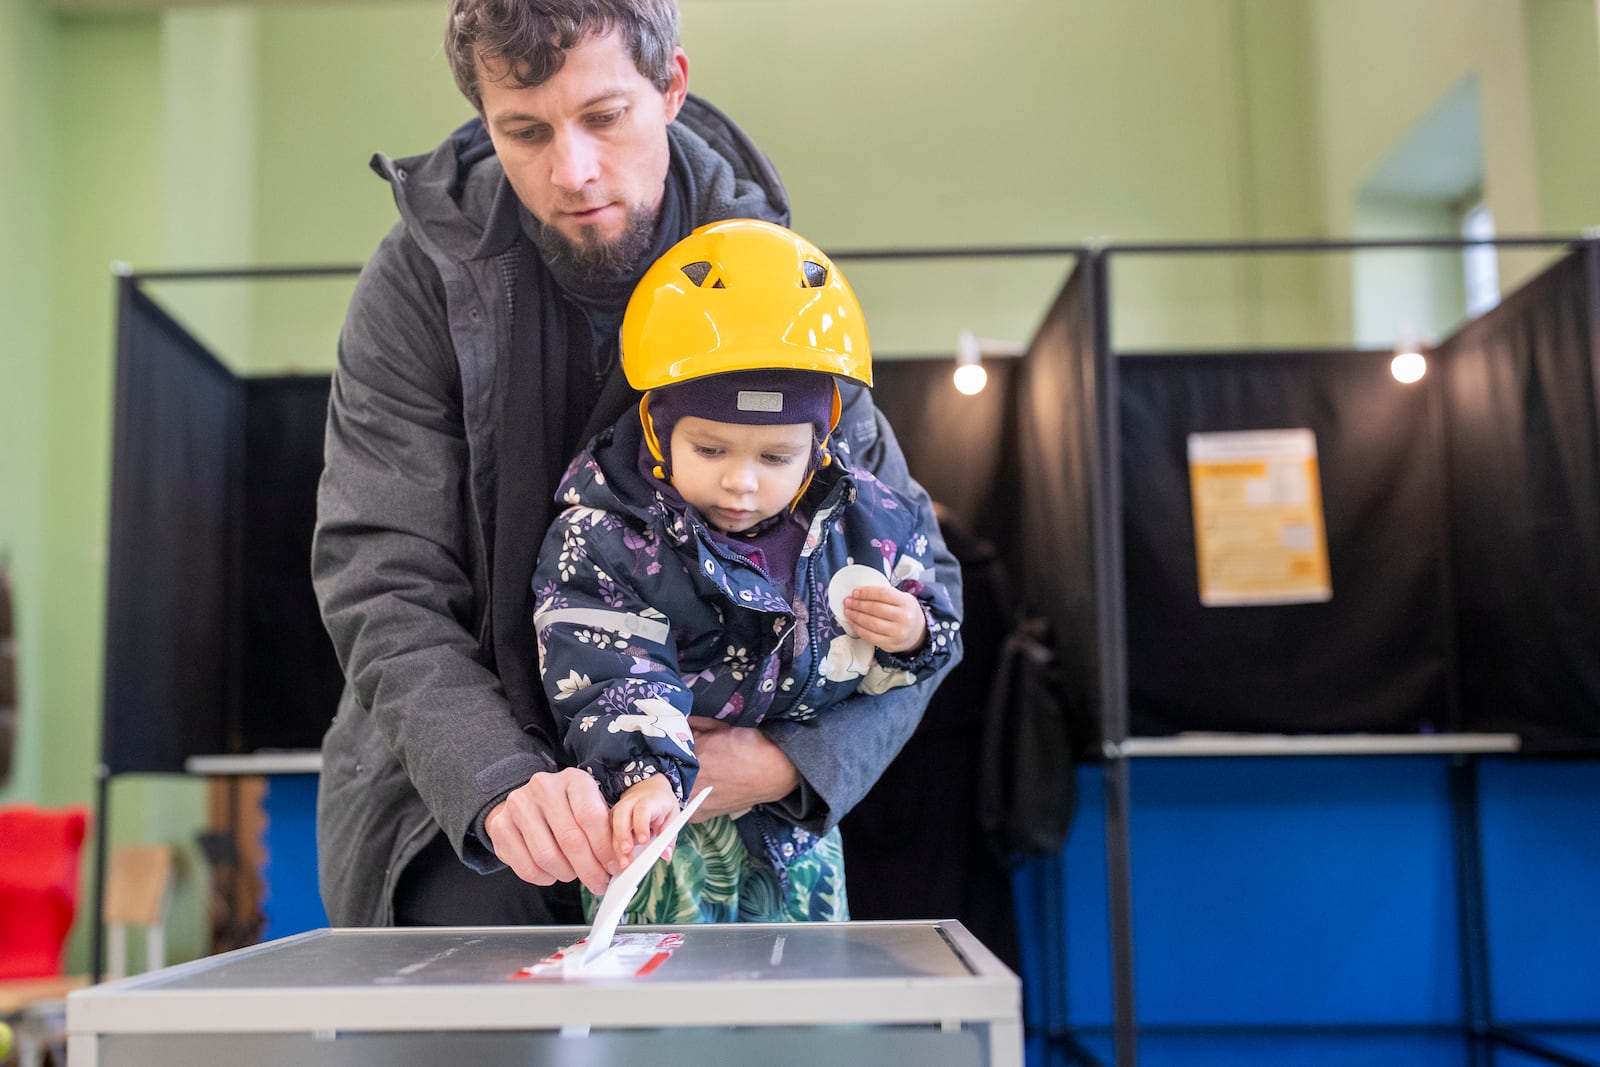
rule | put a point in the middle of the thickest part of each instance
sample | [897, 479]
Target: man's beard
[597, 259]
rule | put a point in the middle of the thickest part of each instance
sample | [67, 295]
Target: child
[706, 562]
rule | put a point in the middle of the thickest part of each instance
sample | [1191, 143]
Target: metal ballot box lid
[861, 992]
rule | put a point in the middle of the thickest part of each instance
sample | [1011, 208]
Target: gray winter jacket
[403, 558]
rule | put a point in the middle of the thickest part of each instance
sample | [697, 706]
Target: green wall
[109, 186]
[1081, 121]
[1382, 67]
[941, 122]
[1564, 68]
[208, 159]
[26, 51]
[81, 189]
[201, 136]
[321, 118]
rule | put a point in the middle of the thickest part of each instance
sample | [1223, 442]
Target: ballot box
[812, 994]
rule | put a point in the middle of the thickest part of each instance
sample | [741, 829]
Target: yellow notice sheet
[1258, 531]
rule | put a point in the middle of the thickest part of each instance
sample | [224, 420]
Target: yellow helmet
[742, 294]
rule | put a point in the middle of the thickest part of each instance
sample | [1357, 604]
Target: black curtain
[290, 679]
[952, 441]
[1012, 467]
[1044, 519]
[172, 571]
[1524, 469]
[901, 863]
[214, 644]
[1374, 657]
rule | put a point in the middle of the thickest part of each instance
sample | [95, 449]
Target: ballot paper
[623, 886]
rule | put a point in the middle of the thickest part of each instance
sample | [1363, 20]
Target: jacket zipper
[730, 557]
[802, 664]
[811, 645]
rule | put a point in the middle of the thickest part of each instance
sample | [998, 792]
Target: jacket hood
[457, 204]
[605, 475]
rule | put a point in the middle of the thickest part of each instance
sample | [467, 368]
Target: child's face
[738, 475]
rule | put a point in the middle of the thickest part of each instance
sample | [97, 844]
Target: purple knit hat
[766, 397]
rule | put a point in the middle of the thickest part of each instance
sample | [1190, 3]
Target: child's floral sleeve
[910, 568]
[607, 659]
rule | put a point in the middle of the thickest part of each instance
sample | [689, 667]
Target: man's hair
[530, 38]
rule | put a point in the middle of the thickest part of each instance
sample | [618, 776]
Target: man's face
[738, 475]
[586, 151]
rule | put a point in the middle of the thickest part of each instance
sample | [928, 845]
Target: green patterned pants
[712, 879]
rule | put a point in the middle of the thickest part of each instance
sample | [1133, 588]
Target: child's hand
[640, 813]
[889, 618]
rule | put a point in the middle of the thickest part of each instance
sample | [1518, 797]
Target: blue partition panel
[292, 902]
[1582, 1046]
[1288, 1050]
[1311, 902]
[1541, 858]
[1275, 891]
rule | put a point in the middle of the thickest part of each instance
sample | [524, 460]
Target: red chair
[39, 851]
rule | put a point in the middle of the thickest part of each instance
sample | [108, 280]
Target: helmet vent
[816, 274]
[698, 272]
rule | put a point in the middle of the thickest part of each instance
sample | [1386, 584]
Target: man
[478, 355]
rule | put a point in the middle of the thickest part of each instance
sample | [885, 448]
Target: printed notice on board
[1258, 529]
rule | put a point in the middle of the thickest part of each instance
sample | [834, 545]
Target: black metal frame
[1478, 1026]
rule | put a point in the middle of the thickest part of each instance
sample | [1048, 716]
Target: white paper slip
[624, 885]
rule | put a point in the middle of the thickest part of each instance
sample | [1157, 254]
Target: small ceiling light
[1408, 367]
[970, 377]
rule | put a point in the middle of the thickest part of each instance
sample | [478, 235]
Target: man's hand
[640, 813]
[746, 768]
[554, 829]
[890, 618]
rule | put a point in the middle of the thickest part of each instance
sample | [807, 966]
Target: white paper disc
[844, 582]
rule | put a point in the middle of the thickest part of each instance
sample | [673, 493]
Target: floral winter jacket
[643, 618]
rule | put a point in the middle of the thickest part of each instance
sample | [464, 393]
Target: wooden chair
[137, 893]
